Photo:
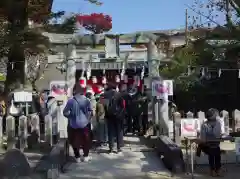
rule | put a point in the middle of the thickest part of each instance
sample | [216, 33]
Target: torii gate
[112, 43]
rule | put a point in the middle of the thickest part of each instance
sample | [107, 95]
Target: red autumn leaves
[95, 22]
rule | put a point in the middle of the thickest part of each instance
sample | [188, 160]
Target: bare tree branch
[203, 15]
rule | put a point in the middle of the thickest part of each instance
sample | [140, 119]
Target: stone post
[22, 133]
[71, 56]
[48, 130]
[201, 117]
[224, 114]
[177, 128]
[71, 67]
[236, 120]
[190, 115]
[34, 138]
[10, 131]
[55, 130]
[160, 109]
[1, 129]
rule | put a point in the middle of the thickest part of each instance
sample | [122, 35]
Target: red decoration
[82, 82]
[90, 89]
[95, 22]
[96, 87]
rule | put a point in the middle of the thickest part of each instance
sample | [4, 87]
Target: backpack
[211, 136]
[116, 106]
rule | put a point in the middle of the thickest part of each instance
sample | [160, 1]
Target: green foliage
[178, 68]
[67, 26]
[203, 53]
[186, 64]
[22, 42]
[4, 44]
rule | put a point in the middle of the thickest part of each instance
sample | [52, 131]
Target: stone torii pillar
[71, 67]
[159, 108]
[70, 81]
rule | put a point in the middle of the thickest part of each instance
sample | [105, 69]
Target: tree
[220, 15]
[221, 20]
[96, 23]
[206, 68]
[212, 22]
[22, 41]
[185, 66]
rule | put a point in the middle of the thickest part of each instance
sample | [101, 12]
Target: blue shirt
[78, 110]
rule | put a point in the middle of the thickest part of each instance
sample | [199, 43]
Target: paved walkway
[136, 162]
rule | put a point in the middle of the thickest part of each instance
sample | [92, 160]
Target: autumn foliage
[95, 22]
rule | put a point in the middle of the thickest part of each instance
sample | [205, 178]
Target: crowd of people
[104, 117]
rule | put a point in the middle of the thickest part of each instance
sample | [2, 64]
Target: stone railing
[229, 125]
[24, 132]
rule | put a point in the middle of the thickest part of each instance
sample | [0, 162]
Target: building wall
[51, 73]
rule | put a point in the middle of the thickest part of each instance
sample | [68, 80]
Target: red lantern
[83, 82]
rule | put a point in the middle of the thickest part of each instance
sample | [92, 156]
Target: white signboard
[111, 47]
[159, 89]
[237, 145]
[22, 96]
[190, 127]
[169, 86]
[59, 90]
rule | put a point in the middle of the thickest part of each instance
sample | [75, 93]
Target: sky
[133, 15]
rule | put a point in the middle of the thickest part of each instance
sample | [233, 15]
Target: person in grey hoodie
[78, 111]
[210, 135]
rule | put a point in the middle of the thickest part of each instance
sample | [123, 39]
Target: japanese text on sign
[159, 89]
[22, 96]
